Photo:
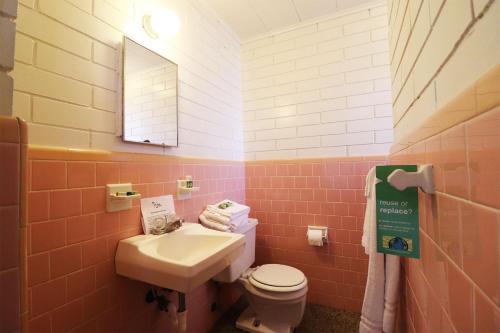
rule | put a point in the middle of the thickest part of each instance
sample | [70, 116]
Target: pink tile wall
[71, 280]
[10, 174]
[455, 286]
[287, 196]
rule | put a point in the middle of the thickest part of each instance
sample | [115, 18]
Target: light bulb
[161, 23]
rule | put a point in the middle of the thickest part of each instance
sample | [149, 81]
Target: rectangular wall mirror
[149, 96]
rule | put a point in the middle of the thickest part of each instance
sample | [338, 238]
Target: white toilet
[276, 293]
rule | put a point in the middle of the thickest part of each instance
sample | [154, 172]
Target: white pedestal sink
[181, 260]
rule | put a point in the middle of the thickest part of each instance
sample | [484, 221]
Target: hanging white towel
[381, 293]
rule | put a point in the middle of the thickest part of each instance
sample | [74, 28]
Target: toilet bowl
[277, 298]
[276, 293]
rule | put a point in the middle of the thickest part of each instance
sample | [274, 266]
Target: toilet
[276, 293]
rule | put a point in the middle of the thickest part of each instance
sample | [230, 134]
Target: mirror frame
[125, 38]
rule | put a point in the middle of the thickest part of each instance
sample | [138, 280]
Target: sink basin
[181, 260]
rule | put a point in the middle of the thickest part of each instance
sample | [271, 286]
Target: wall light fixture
[161, 23]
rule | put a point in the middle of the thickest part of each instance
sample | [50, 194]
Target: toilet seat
[277, 278]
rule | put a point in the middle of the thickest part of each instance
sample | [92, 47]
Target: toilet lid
[276, 275]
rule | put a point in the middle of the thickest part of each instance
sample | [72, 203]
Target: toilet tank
[234, 271]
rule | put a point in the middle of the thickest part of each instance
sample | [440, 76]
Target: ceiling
[251, 18]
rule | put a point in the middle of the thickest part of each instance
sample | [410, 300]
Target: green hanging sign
[397, 215]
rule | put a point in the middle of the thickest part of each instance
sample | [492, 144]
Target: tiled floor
[317, 319]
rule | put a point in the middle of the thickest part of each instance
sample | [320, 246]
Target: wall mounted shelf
[116, 202]
[184, 191]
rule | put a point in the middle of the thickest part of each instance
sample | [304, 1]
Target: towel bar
[423, 178]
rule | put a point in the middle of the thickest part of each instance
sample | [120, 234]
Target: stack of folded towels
[226, 215]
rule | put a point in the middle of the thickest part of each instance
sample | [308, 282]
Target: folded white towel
[233, 210]
[232, 225]
[214, 225]
[216, 217]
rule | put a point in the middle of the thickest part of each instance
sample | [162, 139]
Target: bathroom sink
[181, 260]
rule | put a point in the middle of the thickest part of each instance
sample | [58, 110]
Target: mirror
[149, 96]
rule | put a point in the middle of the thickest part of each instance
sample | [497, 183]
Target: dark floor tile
[317, 319]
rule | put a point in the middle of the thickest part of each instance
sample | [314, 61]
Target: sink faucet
[166, 224]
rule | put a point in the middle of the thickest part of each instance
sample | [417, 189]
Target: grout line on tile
[456, 46]
[460, 270]
[450, 196]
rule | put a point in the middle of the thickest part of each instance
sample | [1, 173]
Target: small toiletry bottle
[189, 181]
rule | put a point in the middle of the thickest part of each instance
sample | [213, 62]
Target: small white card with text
[154, 207]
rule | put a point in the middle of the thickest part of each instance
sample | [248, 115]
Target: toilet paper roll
[315, 237]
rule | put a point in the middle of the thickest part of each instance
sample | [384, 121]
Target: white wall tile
[383, 110]
[365, 112]
[260, 145]
[66, 64]
[323, 105]
[69, 59]
[385, 136]
[273, 113]
[308, 119]
[276, 154]
[36, 81]
[347, 139]
[367, 74]
[297, 143]
[369, 24]
[260, 124]
[439, 61]
[21, 105]
[324, 76]
[104, 55]
[322, 129]
[25, 48]
[48, 135]
[345, 41]
[383, 123]
[346, 66]
[348, 89]
[366, 49]
[41, 27]
[322, 152]
[298, 98]
[281, 133]
[367, 150]
[48, 111]
[383, 97]
[295, 33]
[297, 75]
[296, 53]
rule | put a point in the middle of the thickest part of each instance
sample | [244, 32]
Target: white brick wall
[438, 49]
[8, 12]
[318, 90]
[67, 75]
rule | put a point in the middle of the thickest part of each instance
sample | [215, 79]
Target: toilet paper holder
[324, 232]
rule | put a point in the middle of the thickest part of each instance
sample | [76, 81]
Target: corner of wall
[8, 14]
